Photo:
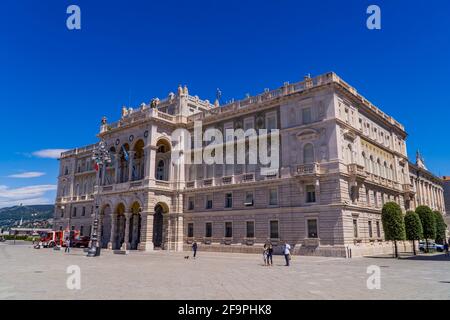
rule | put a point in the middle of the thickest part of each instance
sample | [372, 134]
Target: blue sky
[56, 84]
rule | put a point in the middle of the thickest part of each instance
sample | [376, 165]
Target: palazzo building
[341, 159]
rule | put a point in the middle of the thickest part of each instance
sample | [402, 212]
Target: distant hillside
[11, 216]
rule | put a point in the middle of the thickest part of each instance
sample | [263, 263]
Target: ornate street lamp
[102, 158]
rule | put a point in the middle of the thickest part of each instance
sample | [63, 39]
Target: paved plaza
[27, 273]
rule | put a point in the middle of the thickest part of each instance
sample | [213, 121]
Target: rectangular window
[306, 115]
[83, 213]
[209, 171]
[273, 197]
[378, 229]
[271, 121]
[375, 199]
[74, 212]
[228, 200]
[81, 231]
[191, 203]
[228, 229]
[312, 228]
[248, 123]
[229, 135]
[250, 229]
[209, 201]
[274, 229]
[208, 230]
[367, 197]
[310, 194]
[370, 229]
[248, 199]
[355, 228]
[190, 232]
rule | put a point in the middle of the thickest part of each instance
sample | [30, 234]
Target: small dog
[186, 257]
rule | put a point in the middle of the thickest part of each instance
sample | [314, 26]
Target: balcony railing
[357, 170]
[407, 188]
[308, 169]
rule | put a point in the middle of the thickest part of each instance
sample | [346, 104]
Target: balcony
[408, 188]
[309, 170]
[248, 177]
[356, 171]
[121, 187]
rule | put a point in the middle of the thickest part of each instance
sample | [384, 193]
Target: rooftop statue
[124, 111]
[154, 103]
[420, 162]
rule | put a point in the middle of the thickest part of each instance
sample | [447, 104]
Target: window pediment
[307, 134]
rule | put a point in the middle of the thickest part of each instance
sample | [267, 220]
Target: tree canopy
[428, 221]
[393, 223]
[413, 226]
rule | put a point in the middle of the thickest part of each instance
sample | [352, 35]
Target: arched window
[386, 171]
[160, 170]
[372, 165]
[366, 162]
[379, 167]
[308, 153]
[349, 154]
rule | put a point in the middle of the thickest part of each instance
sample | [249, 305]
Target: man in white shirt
[287, 253]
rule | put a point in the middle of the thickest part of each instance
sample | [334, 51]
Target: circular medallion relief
[131, 138]
[117, 142]
[146, 134]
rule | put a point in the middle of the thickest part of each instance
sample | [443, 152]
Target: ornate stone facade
[341, 159]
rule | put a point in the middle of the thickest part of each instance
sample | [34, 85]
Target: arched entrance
[105, 223]
[135, 226]
[158, 226]
[120, 227]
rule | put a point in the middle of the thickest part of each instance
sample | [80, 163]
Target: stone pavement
[26, 273]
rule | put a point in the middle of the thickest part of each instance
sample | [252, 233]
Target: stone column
[112, 240]
[179, 233]
[146, 241]
[126, 242]
[116, 167]
[130, 165]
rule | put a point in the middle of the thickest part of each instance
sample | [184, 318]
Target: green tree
[413, 228]
[393, 223]
[440, 227]
[428, 224]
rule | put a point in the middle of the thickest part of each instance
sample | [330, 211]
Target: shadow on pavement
[428, 257]
[409, 256]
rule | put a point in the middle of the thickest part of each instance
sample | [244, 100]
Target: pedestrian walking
[269, 247]
[67, 250]
[446, 248]
[265, 255]
[194, 248]
[287, 253]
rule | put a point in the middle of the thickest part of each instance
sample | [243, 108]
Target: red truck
[58, 238]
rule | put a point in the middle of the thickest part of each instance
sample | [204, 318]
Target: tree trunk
[395, 246]
[414, 247]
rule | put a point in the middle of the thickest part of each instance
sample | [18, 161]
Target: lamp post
[102, 158]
